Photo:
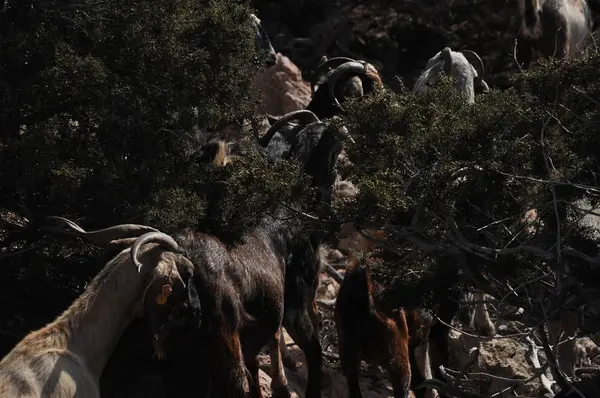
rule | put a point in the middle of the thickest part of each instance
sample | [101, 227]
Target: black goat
[339, 79]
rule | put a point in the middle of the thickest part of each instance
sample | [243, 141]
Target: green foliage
[477, 167]
[97, 126]
[121, 74]
[240, 194]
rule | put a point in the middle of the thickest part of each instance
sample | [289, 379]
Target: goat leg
[287, 358]
[482, 316]
[350, 358]
[300, 327]
[253, 379]
[279, 386]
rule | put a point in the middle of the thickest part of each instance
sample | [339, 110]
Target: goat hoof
[290, 363]
[281, 392]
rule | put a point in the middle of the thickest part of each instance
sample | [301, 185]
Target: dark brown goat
[246, 290]
[409, 344]
[365, 332]
[339, 79]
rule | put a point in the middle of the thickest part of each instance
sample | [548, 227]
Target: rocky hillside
[397, 36]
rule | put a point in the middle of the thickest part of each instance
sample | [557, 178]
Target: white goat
[66, 357]
[554, 28]
[465, 66]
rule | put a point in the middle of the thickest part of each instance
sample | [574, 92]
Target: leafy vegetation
[456, 181]
[102, 101]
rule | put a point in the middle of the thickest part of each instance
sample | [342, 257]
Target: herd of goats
[212, 307]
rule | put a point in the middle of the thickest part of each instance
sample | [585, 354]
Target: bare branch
[535, 362]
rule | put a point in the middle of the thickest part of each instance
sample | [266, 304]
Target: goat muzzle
[344, 70]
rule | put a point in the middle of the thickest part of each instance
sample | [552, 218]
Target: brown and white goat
[66, 357]
[247, 289]
[339, 79]
[553, 28]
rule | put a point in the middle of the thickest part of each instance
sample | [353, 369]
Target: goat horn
[320, 76]
[102, 236]
[151, 237]
[484, 86]
[339, 72]
[446, 55]
[309, 116]
[476, 61]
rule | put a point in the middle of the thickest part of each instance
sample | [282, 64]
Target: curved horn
[302, 113]
[319, 77]
[476, 61]
[339, 72]
[161, 238]
[101, 236]
[446, 55]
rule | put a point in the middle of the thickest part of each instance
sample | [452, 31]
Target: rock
[586, 351]
[499, 357]
[507, 358]
[322, 290]
[331, 291]
[284, 89]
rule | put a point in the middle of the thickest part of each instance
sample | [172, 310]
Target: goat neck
[90, 328]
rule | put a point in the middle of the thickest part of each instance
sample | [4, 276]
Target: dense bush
[472, 172]
[91, 91]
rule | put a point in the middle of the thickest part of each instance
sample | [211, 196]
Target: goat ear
[273, 119]
[193, 302]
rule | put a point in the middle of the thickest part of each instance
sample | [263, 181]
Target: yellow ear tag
[161, 299]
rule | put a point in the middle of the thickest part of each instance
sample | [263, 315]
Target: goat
[248, 289]
[465, 66]
[275, 145]
[340, 78]
[66, 357]
[365, 332]
[428, 343]
[553, 28]
[409, 343]
[284, 136]
[219, 152]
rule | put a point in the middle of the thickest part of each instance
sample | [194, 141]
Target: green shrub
[90, 90]
[409, 150]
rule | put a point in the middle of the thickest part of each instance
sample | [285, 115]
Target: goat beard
[159, 351]
[161, 336]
